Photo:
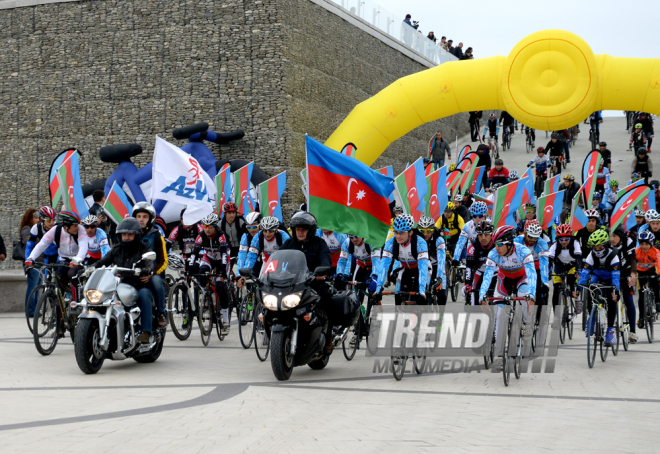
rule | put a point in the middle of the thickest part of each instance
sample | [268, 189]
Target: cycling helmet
[90, 220]
[129, 225]
[564, 230]
[569, 177]
[652, 216]
[639, 213]
[641, 150]
[397, 209]
[229, 206]
[144, 207]
[452, 167]
[485, 227]
[252, 218]
[592, 214]
[479, 209]
[530, 206]
[426, 222]
[492, 115]
[305, 220]
[458, 198]
[597, 195]
[499, 162]
[655, 183]
[638, 126]
[602, 144]
[533, 228]
[210, 219]
[513, 175]
[450, 206]
[403, 223]
[495, 186]
[614, 183]
[554, 135]
[269, 223]
[69, 218]
[597, 238]
[47, 213]
[504, 234]
[635, 176]
[175, 262]
[540, 150]
[646, 236]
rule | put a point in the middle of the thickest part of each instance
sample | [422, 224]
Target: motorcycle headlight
[291, 301]
[270, 301]
[93, 296]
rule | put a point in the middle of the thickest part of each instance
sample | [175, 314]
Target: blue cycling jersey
[407, 260]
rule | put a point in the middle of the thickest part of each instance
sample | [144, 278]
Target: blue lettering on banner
[199, 192]
[284, 266]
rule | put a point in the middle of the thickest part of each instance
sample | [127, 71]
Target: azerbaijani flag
[464, 152]
[242, 196]
[627, 202]
[578, 217]
[69, 176]
[388, 172]
[117, 205]
[552, 185]
[411, 185]
[624, 190]
[431, 145]
[477, 178]
[346, 195]
[453, 179]
[528, 191]
[223, 186]
[270, 195]
[54, 187]
[507, 200]
[303, 175]
[466, 180]
[589, 170]
[349, 150]
[429, 169]
[549, 206]
[489, 203]
[436, 198]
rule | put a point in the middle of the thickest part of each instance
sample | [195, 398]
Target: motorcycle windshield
[103, 280]
[284, 269]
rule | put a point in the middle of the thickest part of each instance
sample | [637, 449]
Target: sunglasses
[90, 227]
[253, 227]
[270, 230]
[400, 232]
[502, 243]
[478, 216]
[206, 226]
[426, 230]
[563, 239]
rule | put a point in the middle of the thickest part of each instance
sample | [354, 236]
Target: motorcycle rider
[125, 254]
[145, 213]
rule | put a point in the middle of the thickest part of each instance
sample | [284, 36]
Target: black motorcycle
[295, 319]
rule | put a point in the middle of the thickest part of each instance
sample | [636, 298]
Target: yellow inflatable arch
[551, 80]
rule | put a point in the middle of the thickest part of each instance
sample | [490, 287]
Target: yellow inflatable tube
[551, 80]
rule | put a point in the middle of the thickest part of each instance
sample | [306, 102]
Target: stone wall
[93, 73]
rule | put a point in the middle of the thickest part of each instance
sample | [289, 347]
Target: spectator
[468, 54]
[458, 51]
[407, 28]
[3, 250]
[475, 116]
[99, 199]
[30, 218]
[439, 148]
[449, 47]
[431, 36]
[443, 42]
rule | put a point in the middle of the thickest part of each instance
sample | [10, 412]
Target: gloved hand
[437, 284]
[650, 174]
[483, 138]
[455, 262]
[496, 138]
[578, 306]
[372, 284]
[28, 263]
[378, 296]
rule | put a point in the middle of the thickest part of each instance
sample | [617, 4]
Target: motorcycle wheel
[320, 363]
[281, 359]
[88, 354]
[154, 354]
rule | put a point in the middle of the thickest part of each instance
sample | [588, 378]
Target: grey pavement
[221, 398]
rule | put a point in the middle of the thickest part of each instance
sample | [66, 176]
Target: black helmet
[655, 184]
[499, 162]
[306, 221]
[641, 150]
[129, 225]
[554, 136]
[619, 231]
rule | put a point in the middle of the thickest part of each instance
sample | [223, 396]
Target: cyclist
[564, 139]
[539, 248]
[478, 210]
[483, 151]
[216, 258]
[625, 247]
[266, 242]
[555, 148]
[595, 119]
[515, 271]
[492, 128]
[72, 245]
[461, 209]
[582, 235]
[529, 131]
[453, 223]
[233, 227]
[477, 253]
[397, 211]
[47, 221]
[97, 240]
[542, 162]
[530, 214]
[606, 154]
[648, 264]
[410, 250]
[652, 225]
[570, 187]
[640, 218]
[634, 178]
[507, 121]
[611, 194]
[366, 259]
[602, 265]
[252, 225]
[602, 176]
[437, 253]
[145, 213]
[642, 164]
[600, 207]
[565, 255]
[498, 174]
[185, 236]
[513, 176]
[334, 241]
[647, 126]
[637, 138]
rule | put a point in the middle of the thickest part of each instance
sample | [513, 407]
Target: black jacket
[240, 228]
[506, 119]
[316, 251]
[570, 192]
[554, 148]
[475, 115]
[125, 257]
[3, 249]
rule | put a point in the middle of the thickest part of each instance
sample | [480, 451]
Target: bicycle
[649, 306]
[568, 304]
[594, 136]
[597, 325]
[260, 335]
[539, 182]
[51, 316]
[506, 138]
[506, 342]
[399, 361]
[44, 276]
[454, 276]
[245, 314]
[529, 144]
[556, 164]
[494, 147]
[208, 311]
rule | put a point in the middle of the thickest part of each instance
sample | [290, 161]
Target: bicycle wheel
[518, 358]
[261, 340]
[603, 349]
[625, 330]
[506, 366]
[649, 321]
[398, 366]
[419, 361]
[592, 344]
[528, 144]
[217, 319]
[571, 316]
[563, 163]
[205, 317]
[46, 324]
[179, 311]
[246, 320]
[564, 320]
[352, 341]
[617, 333]
[38, 291]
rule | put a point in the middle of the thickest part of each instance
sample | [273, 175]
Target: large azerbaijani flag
[552, 185]
[223, 187]
[54, 186]
[242, 197]
[477, 179]
[648, 203]
[411, 185]
[346, 195]
[117, 204]
[549, 207]
[466, 180]
[388, 172]
[589, 170]
[270, 196]
[71, 187]
[507, 200]
[578, 217]
[453, 179]
[627, 202]
[528, 192]
[624, 190]
[436, 198]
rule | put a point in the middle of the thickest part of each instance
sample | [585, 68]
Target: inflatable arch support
[551, 80]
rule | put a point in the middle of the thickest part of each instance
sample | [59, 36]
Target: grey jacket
[439, 148]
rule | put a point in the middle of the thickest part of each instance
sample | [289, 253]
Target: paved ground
[221, 397]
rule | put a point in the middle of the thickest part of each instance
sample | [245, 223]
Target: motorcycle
[107, 327]
[294, 319]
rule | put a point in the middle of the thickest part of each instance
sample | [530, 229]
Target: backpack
[413, 247]
[351, 247]
[278, 238]
[58, 235]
